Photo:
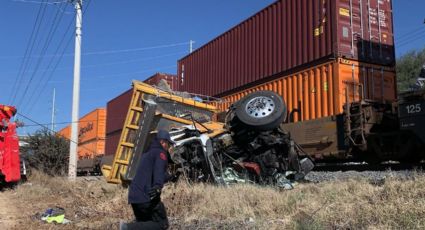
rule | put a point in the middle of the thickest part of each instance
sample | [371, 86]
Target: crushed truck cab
[247, 146]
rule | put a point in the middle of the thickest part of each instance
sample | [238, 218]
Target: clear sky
[122, 40]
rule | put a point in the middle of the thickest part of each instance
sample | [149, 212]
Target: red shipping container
[288, 36]
[111, 143]
[171, 79]
[116, 111]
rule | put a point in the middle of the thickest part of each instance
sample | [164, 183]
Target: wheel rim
[260, 107]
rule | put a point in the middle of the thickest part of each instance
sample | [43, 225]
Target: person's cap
[164, 135]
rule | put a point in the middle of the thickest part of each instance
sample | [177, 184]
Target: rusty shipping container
[321, 91]
[287, 36]
[91, 134]
[116, 110]
[171, 80]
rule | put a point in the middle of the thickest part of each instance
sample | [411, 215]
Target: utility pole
[191, 46]
[72, 171]
[53, 111]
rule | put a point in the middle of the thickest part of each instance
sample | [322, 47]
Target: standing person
[145, 190]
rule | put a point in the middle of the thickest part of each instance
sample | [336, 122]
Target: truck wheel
[262, 110]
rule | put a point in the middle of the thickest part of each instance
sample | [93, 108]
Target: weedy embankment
[356, 204]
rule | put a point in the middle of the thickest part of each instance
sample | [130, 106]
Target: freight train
[332, 62]
[366, 130]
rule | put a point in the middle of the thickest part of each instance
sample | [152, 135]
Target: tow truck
[10, 166]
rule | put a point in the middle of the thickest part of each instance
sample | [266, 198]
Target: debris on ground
[54, 215]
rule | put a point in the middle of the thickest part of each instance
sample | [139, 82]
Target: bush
[47, 152]
[408, 68]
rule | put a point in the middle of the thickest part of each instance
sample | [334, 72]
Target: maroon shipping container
[170, 78]
[290, 35]
[116, 112]
[111, 143]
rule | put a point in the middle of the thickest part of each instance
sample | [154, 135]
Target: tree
[47, 152]
[408, 68]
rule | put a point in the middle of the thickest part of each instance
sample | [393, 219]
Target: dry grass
[89, 204]
[354, 204]
[335, 205]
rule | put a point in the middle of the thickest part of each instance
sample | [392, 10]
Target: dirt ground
[89, 203]
[9, 211]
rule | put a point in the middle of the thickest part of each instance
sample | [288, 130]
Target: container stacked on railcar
[321, 91]
[288, 37]
[91, 134]
[117, 110]
[332, 61]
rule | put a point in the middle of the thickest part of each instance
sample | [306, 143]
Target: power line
[70, 122]
[135, 49]
[49, 78]
[133, 73]
[133, 60]
[58, 62]
[411, 39]
[32, 105]
[35, 43]
[38, 2]
[419, 32]
[28, 51]
[411, 32]
[44, 74]
[109, 63]
[105, 52]
[56, 21]
[50, 35]
[57, 133]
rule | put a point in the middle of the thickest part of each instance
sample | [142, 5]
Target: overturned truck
[246, 144]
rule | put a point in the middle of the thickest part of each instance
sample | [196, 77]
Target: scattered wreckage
[247, 147]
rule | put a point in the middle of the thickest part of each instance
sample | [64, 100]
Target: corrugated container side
[91, 134]
[92, 126]
[111, 144]
[65, 132]
[321, 91]
[286, 35]
[91, 148]
[116, 110]
[170, 78]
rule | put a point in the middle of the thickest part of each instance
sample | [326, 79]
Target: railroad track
[366, 167]
[374, 173]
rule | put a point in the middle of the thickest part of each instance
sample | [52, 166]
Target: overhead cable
[37, 98]
[38, 2]
[53, 131]
[28, 51]
[50, 35]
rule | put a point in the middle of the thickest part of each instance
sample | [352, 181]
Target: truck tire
[262, 110]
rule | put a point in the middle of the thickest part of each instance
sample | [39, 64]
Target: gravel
[375, 177]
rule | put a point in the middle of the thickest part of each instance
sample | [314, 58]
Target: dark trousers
[149, 216]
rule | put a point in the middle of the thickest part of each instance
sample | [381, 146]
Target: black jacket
[151, 172]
